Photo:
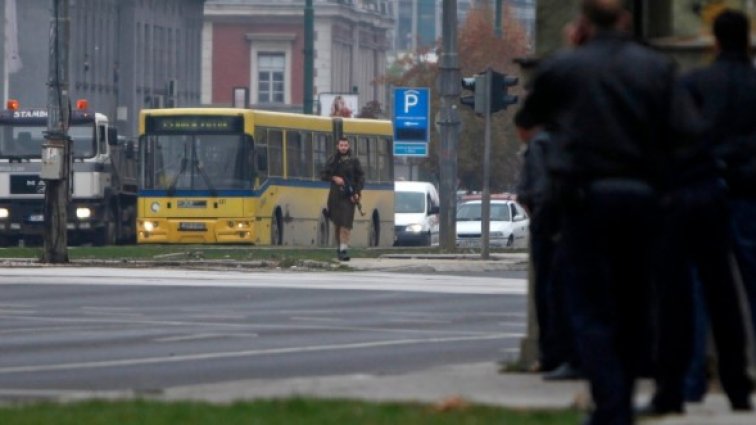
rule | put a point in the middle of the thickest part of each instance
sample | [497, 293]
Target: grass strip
[276, 412]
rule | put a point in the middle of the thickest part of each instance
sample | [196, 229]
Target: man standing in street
[613, 106]
[347, 178]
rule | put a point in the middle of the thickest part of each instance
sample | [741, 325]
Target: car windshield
[472, 212]
[18, 142]
[198, 162]
[409, 202]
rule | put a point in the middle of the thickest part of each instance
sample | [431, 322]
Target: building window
[271, 68]
[270, 74]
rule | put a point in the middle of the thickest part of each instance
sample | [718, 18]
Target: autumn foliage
[479, 48]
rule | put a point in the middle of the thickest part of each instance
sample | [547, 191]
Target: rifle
[349, 192]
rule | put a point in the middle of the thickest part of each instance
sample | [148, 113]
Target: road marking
[366, 281]
[14, 311]
[195, 337]
[315, 319]
[288, 326]
[17, 306]
[245, 353]
[418, 320]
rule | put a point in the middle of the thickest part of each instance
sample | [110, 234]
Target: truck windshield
[18, 142]
[198, 162]
[409, 202]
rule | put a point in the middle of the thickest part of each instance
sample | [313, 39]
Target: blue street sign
[410, 149]
[411, 121]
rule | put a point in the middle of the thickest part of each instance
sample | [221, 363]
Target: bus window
[307, 157]
[372, 156]
[320, 152]
[275, 153]
[362, 155]
[261, 152]
[385, 160]
[294, 154]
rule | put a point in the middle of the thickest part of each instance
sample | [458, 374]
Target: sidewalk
[478, 383]
[405, 263]
[430, 263]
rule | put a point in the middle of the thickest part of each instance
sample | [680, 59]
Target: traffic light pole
[57, 148]
[485, 202]
[448, 124]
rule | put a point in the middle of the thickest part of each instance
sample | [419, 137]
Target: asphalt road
[81, 329]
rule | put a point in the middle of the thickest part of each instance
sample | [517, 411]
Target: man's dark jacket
[725, 93]
[340, 207]
[613, 107]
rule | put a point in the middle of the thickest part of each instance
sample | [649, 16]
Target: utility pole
[498, 21]
[56, 152]
[448, 124]
[309, 56]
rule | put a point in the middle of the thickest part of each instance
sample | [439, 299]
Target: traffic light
[500, 97]
[477, 85]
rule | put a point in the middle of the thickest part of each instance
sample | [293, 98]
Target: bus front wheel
[374, 237]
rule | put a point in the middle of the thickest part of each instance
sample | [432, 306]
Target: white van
[416, 207]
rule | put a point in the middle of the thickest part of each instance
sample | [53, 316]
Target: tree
[372, 110]
[479, 48]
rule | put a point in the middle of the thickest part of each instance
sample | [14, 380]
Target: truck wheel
[107, 235]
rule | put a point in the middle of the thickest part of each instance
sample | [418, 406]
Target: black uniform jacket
[725, 92]
[613, 108]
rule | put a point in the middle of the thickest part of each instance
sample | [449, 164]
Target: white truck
[102, 210]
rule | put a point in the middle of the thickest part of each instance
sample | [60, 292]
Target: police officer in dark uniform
[698, 231]
[612, 104]
[726, 94]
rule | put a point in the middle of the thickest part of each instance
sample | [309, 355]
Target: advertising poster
[339, 105]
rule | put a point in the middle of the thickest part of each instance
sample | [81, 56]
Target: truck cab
[101, 209]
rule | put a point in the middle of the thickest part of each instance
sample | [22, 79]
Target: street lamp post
[309, 57]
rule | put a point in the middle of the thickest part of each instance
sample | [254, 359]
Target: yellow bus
[242, 176]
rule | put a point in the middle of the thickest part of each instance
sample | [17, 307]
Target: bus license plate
[192, 227]
[37, 218]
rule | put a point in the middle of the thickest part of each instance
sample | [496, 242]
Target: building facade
[419, 22]
[258, 45]
[124, 55]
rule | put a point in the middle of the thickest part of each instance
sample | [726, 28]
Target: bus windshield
[198, 162]
[18, 142]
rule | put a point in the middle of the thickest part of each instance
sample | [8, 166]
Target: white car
[508, 227]
[415, 213]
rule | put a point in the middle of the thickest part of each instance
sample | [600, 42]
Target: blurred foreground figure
[613, 107]
[698, 230]
[726, 94]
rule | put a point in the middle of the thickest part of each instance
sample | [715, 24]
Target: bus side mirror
[433, 210]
